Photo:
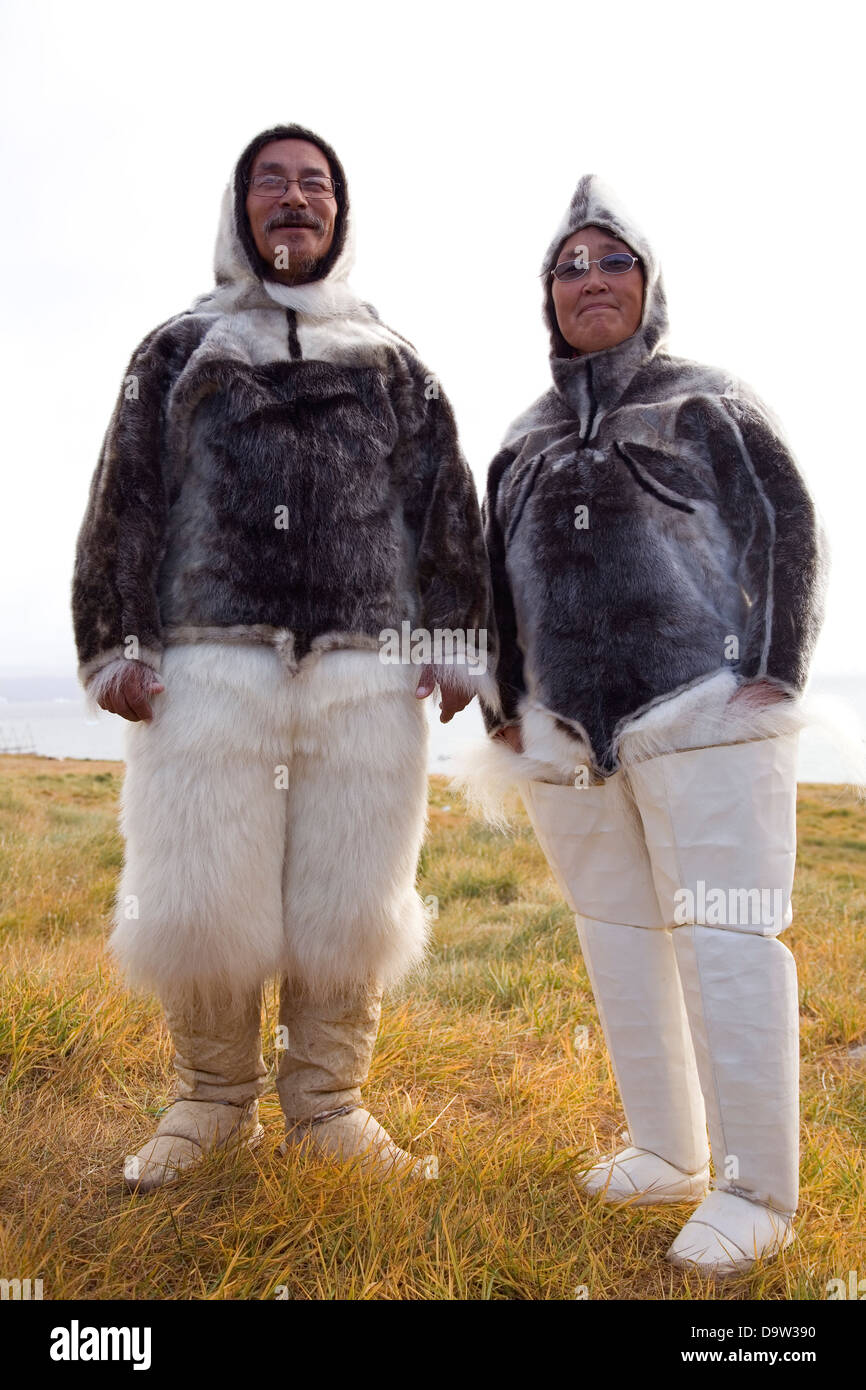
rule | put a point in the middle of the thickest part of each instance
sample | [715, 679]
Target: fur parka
[647, 527]
[280, 467]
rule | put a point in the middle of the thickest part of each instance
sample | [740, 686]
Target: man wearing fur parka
[658, 573]
[280, 492]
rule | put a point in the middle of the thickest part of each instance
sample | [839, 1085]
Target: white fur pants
[273, 824]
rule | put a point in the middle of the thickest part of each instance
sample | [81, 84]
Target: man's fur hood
[241, 276]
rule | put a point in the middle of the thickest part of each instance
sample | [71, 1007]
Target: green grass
[476, 1059]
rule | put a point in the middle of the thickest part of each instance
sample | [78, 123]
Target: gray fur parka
[280, 467]
[699, 548]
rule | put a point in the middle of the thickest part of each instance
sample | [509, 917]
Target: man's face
[292, 231]
[597, 311]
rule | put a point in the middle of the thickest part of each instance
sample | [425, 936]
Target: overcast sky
[733, 132]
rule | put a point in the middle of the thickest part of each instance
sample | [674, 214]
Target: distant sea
[47, 714]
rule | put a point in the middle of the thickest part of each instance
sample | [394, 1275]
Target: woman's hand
[758, 695]
[512, 736]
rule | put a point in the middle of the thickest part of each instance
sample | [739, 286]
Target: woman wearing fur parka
[658, 576]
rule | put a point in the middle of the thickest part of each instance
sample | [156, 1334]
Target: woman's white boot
[727, 1235]
[741, 993]
[642, 1179]
[720, 826]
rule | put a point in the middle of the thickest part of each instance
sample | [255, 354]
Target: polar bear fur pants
[273, 820]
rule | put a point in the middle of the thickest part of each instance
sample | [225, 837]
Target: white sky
[733, 131]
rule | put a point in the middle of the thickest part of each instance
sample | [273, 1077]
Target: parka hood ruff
[249, 311]
[598, 379]
[241, 283]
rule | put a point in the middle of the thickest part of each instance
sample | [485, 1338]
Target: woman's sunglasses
[617, 263]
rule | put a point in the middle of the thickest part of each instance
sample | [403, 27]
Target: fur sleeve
[783, 549]
[509, 667]
[115, 609]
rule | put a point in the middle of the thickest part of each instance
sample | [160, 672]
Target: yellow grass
[476, 1059]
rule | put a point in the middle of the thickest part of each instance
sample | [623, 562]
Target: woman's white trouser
[700, 870]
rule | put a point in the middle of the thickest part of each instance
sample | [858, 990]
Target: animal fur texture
[273, 825]
[280, 468]
[700, 566]
[280, 481]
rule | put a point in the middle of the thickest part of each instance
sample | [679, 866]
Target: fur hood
[596, 205]
[241, 275]
[248, 305]
[649, 532]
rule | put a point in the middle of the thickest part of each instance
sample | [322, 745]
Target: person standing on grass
[280, 490]
[658, 573]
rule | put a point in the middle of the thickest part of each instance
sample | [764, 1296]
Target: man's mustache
[295, 219]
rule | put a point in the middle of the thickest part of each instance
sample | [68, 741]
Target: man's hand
[125, 688]
[454, 696]
[512, 736]
[758, 695]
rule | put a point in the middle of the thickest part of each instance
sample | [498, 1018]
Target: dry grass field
[476, 1060]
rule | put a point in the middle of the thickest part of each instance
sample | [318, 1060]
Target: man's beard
[296, 266]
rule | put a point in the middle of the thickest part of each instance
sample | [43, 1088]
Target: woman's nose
[594, 279]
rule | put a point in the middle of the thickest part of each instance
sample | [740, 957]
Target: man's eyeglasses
[274, 186]
[617, 263]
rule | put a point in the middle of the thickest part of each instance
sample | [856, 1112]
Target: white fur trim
[236, 878]
[483, 772]
[320, 299]
[701, 716]
[89, 669]
[696, 717]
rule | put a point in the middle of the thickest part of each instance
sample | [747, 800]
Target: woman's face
[597, 311]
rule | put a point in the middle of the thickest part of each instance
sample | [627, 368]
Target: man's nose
[293, 196]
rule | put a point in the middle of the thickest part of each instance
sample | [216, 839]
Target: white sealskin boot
[721, 831]
[593, 842]
[221, 1074]
[741, 994]
[328, 1048]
